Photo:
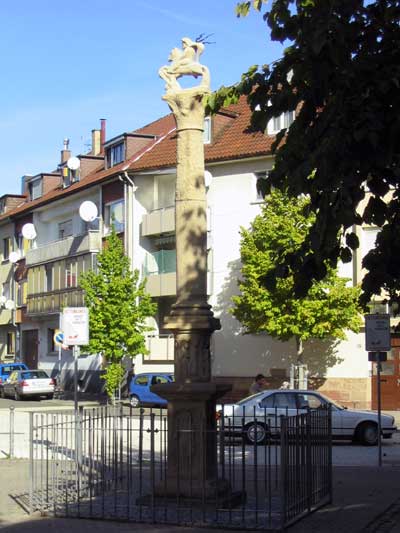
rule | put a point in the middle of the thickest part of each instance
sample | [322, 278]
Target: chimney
[65, 153]
[102, 134]
[96, 143]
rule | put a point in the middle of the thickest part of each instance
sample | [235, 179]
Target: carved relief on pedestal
[192, 357]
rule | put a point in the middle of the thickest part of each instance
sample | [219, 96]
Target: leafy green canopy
[341, 73]
[330, 306]
[118, 307]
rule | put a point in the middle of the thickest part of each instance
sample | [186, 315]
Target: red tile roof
[233, 141]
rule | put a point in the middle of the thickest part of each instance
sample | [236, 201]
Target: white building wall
[232, 202]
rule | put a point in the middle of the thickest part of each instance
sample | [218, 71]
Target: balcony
[160, 270]
[53, 302]
[74, 245]
[159, 221]
[161, 349]
[5, 316]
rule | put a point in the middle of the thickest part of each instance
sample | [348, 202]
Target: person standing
[258, 384]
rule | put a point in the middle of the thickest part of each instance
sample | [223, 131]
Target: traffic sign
[76, 326]
[377, 333]
[58, 337]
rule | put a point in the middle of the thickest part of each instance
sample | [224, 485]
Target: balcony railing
[74, 245]
[54, 301]
[159, 221]
[161, 349]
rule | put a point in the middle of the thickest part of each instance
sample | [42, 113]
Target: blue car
[7, 368]
[139, 388]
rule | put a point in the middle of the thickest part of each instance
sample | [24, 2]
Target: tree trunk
[299, 347]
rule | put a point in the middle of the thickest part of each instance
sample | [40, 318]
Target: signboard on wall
[76, 326]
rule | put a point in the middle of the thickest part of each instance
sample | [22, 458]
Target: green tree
[340, 71]
[329, 308]
[118, 307]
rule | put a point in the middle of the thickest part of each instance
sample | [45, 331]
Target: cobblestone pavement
[387, 522]
[365, 500]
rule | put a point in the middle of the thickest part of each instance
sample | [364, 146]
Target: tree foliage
[340, 71]
[330, 306]
[118, 307]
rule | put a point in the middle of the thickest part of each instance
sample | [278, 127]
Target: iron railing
[111, 463]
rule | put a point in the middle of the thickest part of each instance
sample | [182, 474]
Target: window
[6, 248]
[282, 121]
[49, 277]
[65, 229]
[24, 244]
[10, 342]
[6, 290]
[35, 189]
[157, 380]
[284, 400]
[51, 346]
[142, 380]
[207, 130]
[261, 178]
[309, 401]
[22, 291]
[114, 214]
[115, 154]
[71, 274]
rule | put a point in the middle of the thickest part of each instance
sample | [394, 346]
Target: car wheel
[2, 395]
[367, 434]
[134, 401]
[17, 396]
[50, 396]
[255, 433]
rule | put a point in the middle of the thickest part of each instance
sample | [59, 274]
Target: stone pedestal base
[192, 464]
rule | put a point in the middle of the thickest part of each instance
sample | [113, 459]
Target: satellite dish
[9, 304]
[14, 257]
[3, 300]
[88, 211]
[29, 231]
[207, 178]
[73, 163]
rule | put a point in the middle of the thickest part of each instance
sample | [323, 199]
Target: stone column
[192, 449]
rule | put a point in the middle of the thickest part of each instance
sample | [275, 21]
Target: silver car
[27, 383]
[258, 416]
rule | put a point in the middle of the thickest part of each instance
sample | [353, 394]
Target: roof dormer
[124, 147]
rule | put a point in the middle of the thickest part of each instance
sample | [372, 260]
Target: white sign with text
[76, 326]
[377, 333]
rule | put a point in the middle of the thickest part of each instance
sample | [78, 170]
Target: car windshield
[34, 374]
[252, 397]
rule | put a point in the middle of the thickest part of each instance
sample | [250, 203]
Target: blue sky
[66, 64]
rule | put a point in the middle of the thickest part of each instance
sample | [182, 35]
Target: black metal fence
[111, 463]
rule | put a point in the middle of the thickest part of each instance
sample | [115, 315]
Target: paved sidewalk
[366, 499]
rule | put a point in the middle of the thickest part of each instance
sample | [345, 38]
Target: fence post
[284, 466]
[12, 428]
[309, 456]
[31, 465]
